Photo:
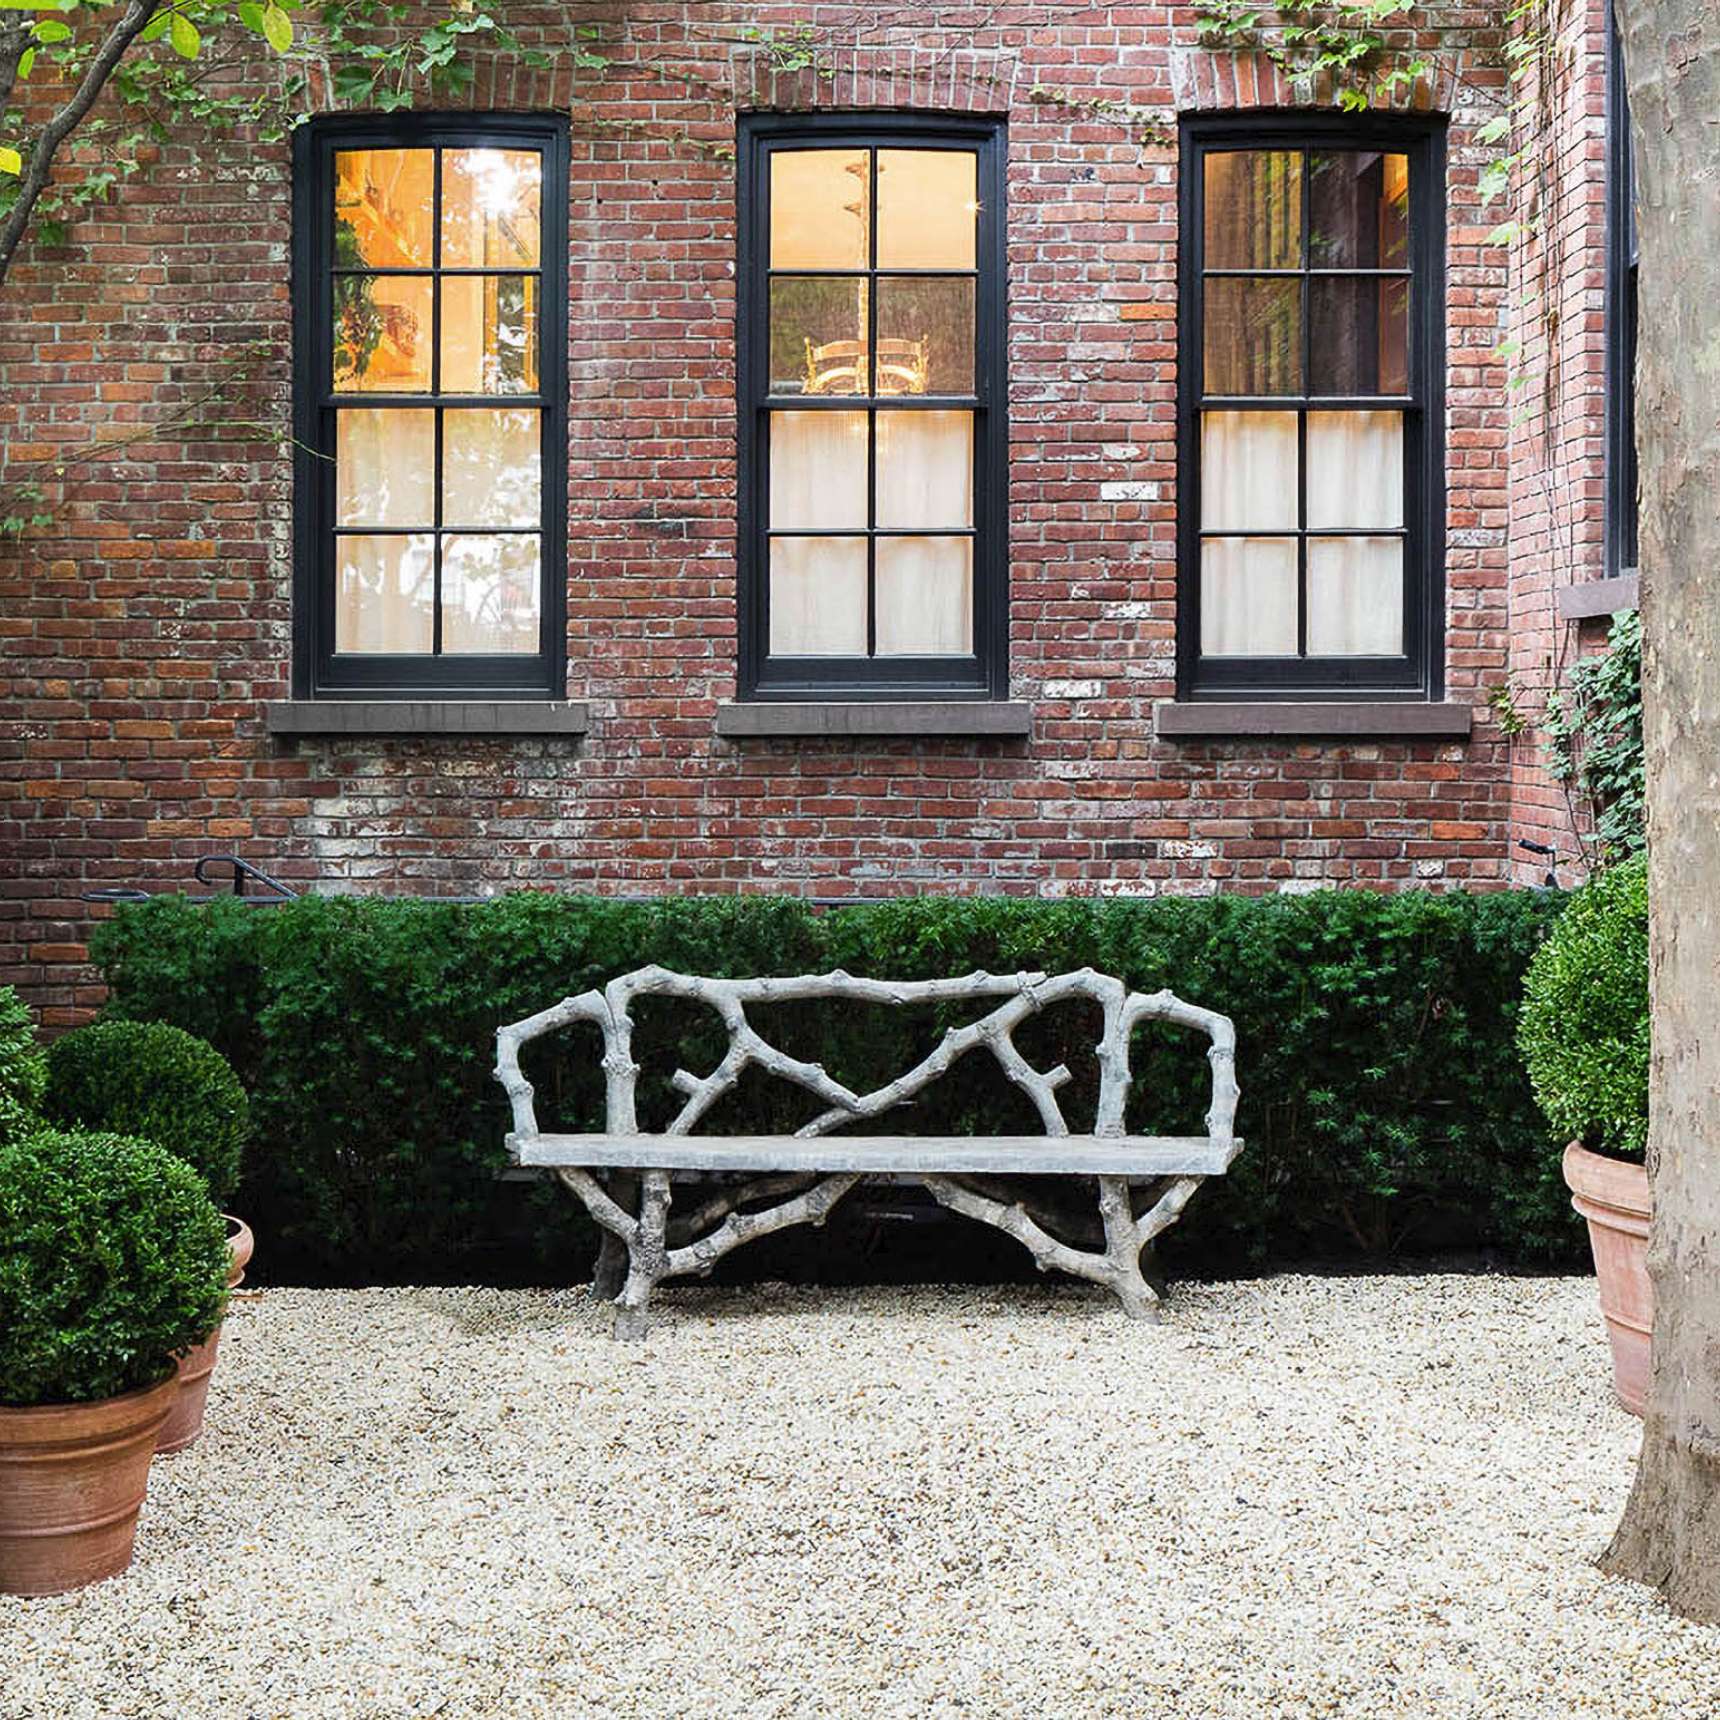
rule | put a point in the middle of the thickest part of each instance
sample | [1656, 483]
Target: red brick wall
[144, 630]
[1558, 439]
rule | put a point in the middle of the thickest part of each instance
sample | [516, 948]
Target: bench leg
[610, 1272]
[647, 1258]
[1123, 1251]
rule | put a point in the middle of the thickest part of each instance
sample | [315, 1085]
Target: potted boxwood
[1584, 1033]
[148, 1079]
[113, 1262]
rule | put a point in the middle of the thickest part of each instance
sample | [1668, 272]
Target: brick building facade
[167, 694]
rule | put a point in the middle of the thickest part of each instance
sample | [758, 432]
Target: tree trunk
[1670, 1535]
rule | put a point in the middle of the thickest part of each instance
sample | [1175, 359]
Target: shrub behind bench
[1386, 1110]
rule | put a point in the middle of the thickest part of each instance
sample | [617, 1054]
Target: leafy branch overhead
[87, 87]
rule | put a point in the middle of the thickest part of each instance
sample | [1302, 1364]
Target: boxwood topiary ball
[113, 1261]
[146, 1078]
[1583, 1029]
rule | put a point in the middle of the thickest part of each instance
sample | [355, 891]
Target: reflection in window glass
[928, 208]
[1358, 210]
[818, 334]
[1253, 209]
[385, 467]
[383, 202]
[820, 211]
[926, 335]
[382, 329]
[385, 594]
[491, 467]
[491, 208]
[1253, 336]
[490, 591]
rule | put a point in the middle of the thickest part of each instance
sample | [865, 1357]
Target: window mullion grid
[872, 410]
[1305, 293]
[435, 394]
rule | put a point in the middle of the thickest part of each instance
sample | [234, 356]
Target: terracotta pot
[185, 1421]
[1612, 1194]
[72, 1478]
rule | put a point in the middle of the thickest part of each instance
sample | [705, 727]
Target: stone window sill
[762, 719]
[384, 718]
[1591, 597]
[1381, 719]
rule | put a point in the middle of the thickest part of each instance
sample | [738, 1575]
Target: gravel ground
[1345, 1496]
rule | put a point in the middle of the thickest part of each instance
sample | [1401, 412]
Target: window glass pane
[928, 203]
[490, 595]
[1355, 597]
[818, 336]
[385, 467]
[925, 469]
[817, 470]
[926, 336]
[491, 207]
[489, 334]
[925, 597]
[1248, 471]
[818, 597]
[1358, 210]
[1358, 336]
[383, 207]
[490, 467]
[1248, 597]
[385, 594]
[819, 209]
[1355, 469]
[1253, 209]
[382, 334]
[1253, 337]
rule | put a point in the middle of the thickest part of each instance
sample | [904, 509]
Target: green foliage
[1311, 39]
[159, 1082]
[1584, 1028]
[113, 1260]
[1594, 738]
[1383, 1102]
[173, 74]
[23, 1073]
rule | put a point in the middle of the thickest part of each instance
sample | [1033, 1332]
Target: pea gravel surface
[1296, 1496]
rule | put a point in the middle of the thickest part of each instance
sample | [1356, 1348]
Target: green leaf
[156, 28]
[25, 61]
[51, 30]
[277, 29]
[10, 160]
[184, 36]
[251, 15]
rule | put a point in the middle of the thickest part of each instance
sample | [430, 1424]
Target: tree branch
[34, 181]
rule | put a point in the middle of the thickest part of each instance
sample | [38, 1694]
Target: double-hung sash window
[871, 323]
[430, 369]
[1621, 505]
[1311, 357]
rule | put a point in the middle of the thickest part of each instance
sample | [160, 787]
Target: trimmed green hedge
[1384, 1106]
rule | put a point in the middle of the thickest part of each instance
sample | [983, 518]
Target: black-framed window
[872, 435]
[430, 403]
[1311, 339]
[1621, 503]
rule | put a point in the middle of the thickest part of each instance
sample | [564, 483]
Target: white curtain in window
[1248, 472]
[1355, 470]
[1355, 597]
[818, 471]
[818, 597]
[1248, 597]
[925, 596]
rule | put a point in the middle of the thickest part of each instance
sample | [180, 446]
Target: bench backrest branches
[1017, 997]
